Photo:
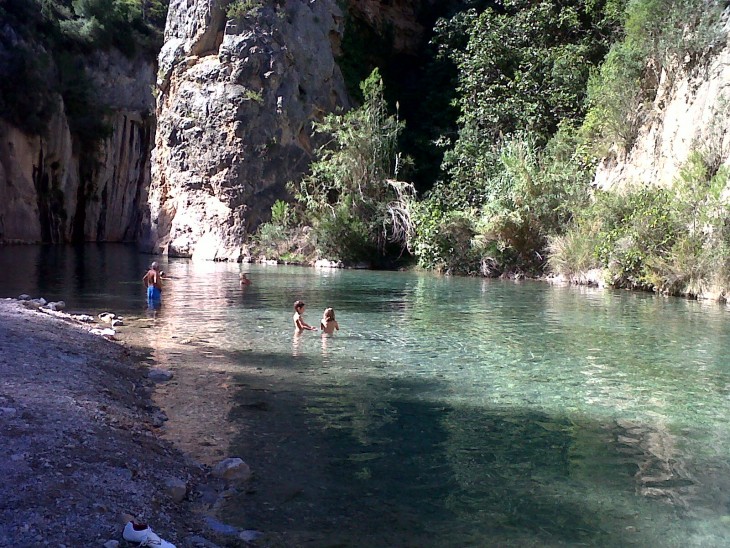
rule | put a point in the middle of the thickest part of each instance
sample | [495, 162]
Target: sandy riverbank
[79, 448]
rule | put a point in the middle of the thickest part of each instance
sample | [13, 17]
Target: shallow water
[446, 412]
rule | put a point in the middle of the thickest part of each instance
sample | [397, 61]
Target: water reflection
[296, 343]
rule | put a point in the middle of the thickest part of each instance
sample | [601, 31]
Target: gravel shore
[79, 451]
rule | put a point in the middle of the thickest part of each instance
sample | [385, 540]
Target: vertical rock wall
[235, 106]
[53, 189]
[691, 112]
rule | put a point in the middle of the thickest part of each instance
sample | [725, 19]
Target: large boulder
[236, 101]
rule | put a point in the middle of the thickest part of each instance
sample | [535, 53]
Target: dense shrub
[353, 198]
[529, 193]
[674, 240]
[443, 238]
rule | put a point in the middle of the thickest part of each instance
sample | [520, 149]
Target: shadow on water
[372, 463]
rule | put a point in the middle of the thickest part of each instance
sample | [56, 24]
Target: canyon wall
[690, 113]
[237, 97]
[56, 189]
[197, 151]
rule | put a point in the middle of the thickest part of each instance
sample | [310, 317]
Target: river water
[446, 411]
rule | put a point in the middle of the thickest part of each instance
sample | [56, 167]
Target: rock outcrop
[55, 189]
[237, 99]
[691, 112]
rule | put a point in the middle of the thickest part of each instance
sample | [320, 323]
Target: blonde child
[329, 324]
[299, 323]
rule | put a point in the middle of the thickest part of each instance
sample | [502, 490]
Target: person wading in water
[153, 281]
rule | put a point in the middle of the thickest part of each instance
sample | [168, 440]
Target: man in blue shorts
[153, 282]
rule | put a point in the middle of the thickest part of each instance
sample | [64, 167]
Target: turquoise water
[446, 412]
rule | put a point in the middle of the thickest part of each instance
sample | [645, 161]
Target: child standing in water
[299, 323]
[328, 323]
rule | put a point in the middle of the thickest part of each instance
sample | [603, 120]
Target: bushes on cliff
[674, 240]
[243, 8]
[660, 37]
[124, 24]
[42, 49]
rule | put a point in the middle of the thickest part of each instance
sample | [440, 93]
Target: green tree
[353, 196]
[522, 72]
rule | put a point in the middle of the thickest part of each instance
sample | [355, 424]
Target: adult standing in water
[153, 282]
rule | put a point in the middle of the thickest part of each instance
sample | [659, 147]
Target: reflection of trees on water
[515, 472]
[693, 480]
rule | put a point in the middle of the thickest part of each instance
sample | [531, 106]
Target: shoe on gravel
[142, 534]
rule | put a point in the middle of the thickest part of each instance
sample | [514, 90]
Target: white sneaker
[141, 533]
[135, 532]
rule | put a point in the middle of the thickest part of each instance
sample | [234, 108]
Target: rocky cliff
[56, 188]
[237, 97]
[691, 112]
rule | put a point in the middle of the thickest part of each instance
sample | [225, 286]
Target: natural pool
[446, 412]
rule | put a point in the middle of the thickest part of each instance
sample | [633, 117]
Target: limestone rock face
[237, 98]
[690, 112]
[56, 190]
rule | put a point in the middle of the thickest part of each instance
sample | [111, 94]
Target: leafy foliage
[443, 238]
[525, 67]
[357, 205]
[522, 74]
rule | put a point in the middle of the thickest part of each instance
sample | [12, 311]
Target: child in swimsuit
[328, 324]
[299, 323]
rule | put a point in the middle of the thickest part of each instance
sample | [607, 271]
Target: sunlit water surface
[446, 412]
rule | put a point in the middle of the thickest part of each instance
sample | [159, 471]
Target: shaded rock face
[53, 189]
[399, 19]
[236, 103]
[691, 112]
